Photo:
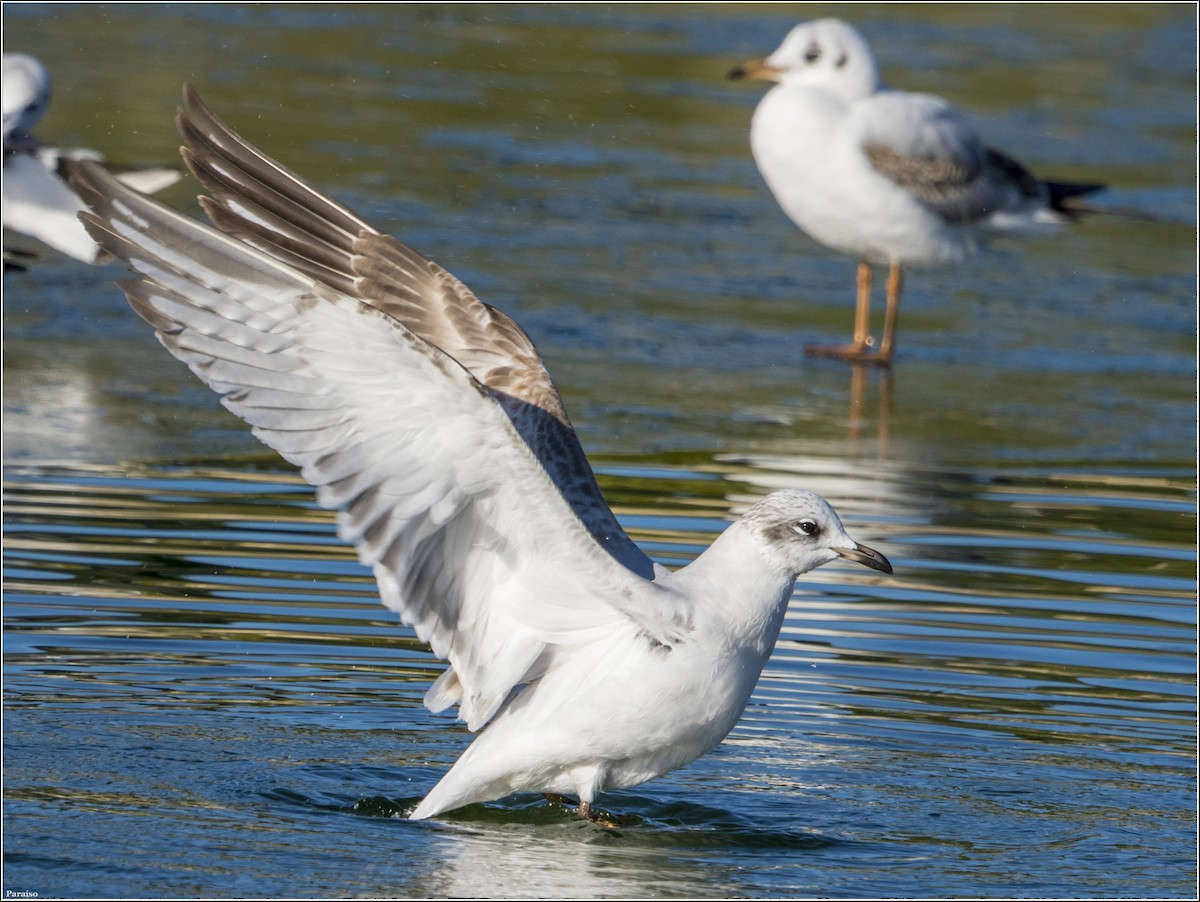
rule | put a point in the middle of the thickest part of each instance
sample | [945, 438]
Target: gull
[888, 176]
[37, 199]
[427, 419]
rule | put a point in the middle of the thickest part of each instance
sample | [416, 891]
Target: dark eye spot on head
[807, 527]
[841, 62]
[813, 53]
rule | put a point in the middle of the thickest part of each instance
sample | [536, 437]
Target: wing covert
[925, 146]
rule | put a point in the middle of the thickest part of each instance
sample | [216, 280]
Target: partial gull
[888, 176]
[37, 199]
[427, 420]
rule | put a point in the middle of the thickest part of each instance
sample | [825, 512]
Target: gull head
[798, 531]
[825, 53]
[26, 92]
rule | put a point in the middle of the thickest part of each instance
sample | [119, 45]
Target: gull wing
[469, 537]
[925, 146]
[38, 203]
[264, 204]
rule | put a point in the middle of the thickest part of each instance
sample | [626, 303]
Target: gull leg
[862, 307]
[895, 282]
[584, 811]
[599, 818]
[858, 350]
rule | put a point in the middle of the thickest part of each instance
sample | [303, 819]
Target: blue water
[200, 685]
[202, 694]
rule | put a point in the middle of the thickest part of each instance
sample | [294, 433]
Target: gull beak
[754, 69]
[868, 557]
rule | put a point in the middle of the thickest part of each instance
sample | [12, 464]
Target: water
[203, 695]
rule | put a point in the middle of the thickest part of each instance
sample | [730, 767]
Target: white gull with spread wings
[427, 420]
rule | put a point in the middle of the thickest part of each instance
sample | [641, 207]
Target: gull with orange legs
[890, 177]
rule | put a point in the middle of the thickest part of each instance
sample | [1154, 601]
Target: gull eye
[807, 527]
[813, 53]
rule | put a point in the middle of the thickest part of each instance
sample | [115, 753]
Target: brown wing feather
[264, 203]
[268, 206]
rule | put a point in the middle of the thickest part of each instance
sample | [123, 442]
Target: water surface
[203, 695]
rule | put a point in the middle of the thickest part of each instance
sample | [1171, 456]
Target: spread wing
[262, 203]
[926, 147]
[470, 537]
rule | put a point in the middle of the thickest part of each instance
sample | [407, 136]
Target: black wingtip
[1063, 196]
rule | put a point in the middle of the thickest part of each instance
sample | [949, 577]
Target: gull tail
[460, 787]
[483, 773]
[1064, 197]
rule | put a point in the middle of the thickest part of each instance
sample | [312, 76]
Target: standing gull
[427, 420]
[37, 200]
[888, 176]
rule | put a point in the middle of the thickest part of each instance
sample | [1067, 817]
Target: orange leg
[859, 350]
[862, 308]
[895, 282]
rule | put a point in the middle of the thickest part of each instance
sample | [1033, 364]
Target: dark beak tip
[868, 557]
[736, 74]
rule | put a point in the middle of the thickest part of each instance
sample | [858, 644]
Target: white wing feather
[468, 537]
